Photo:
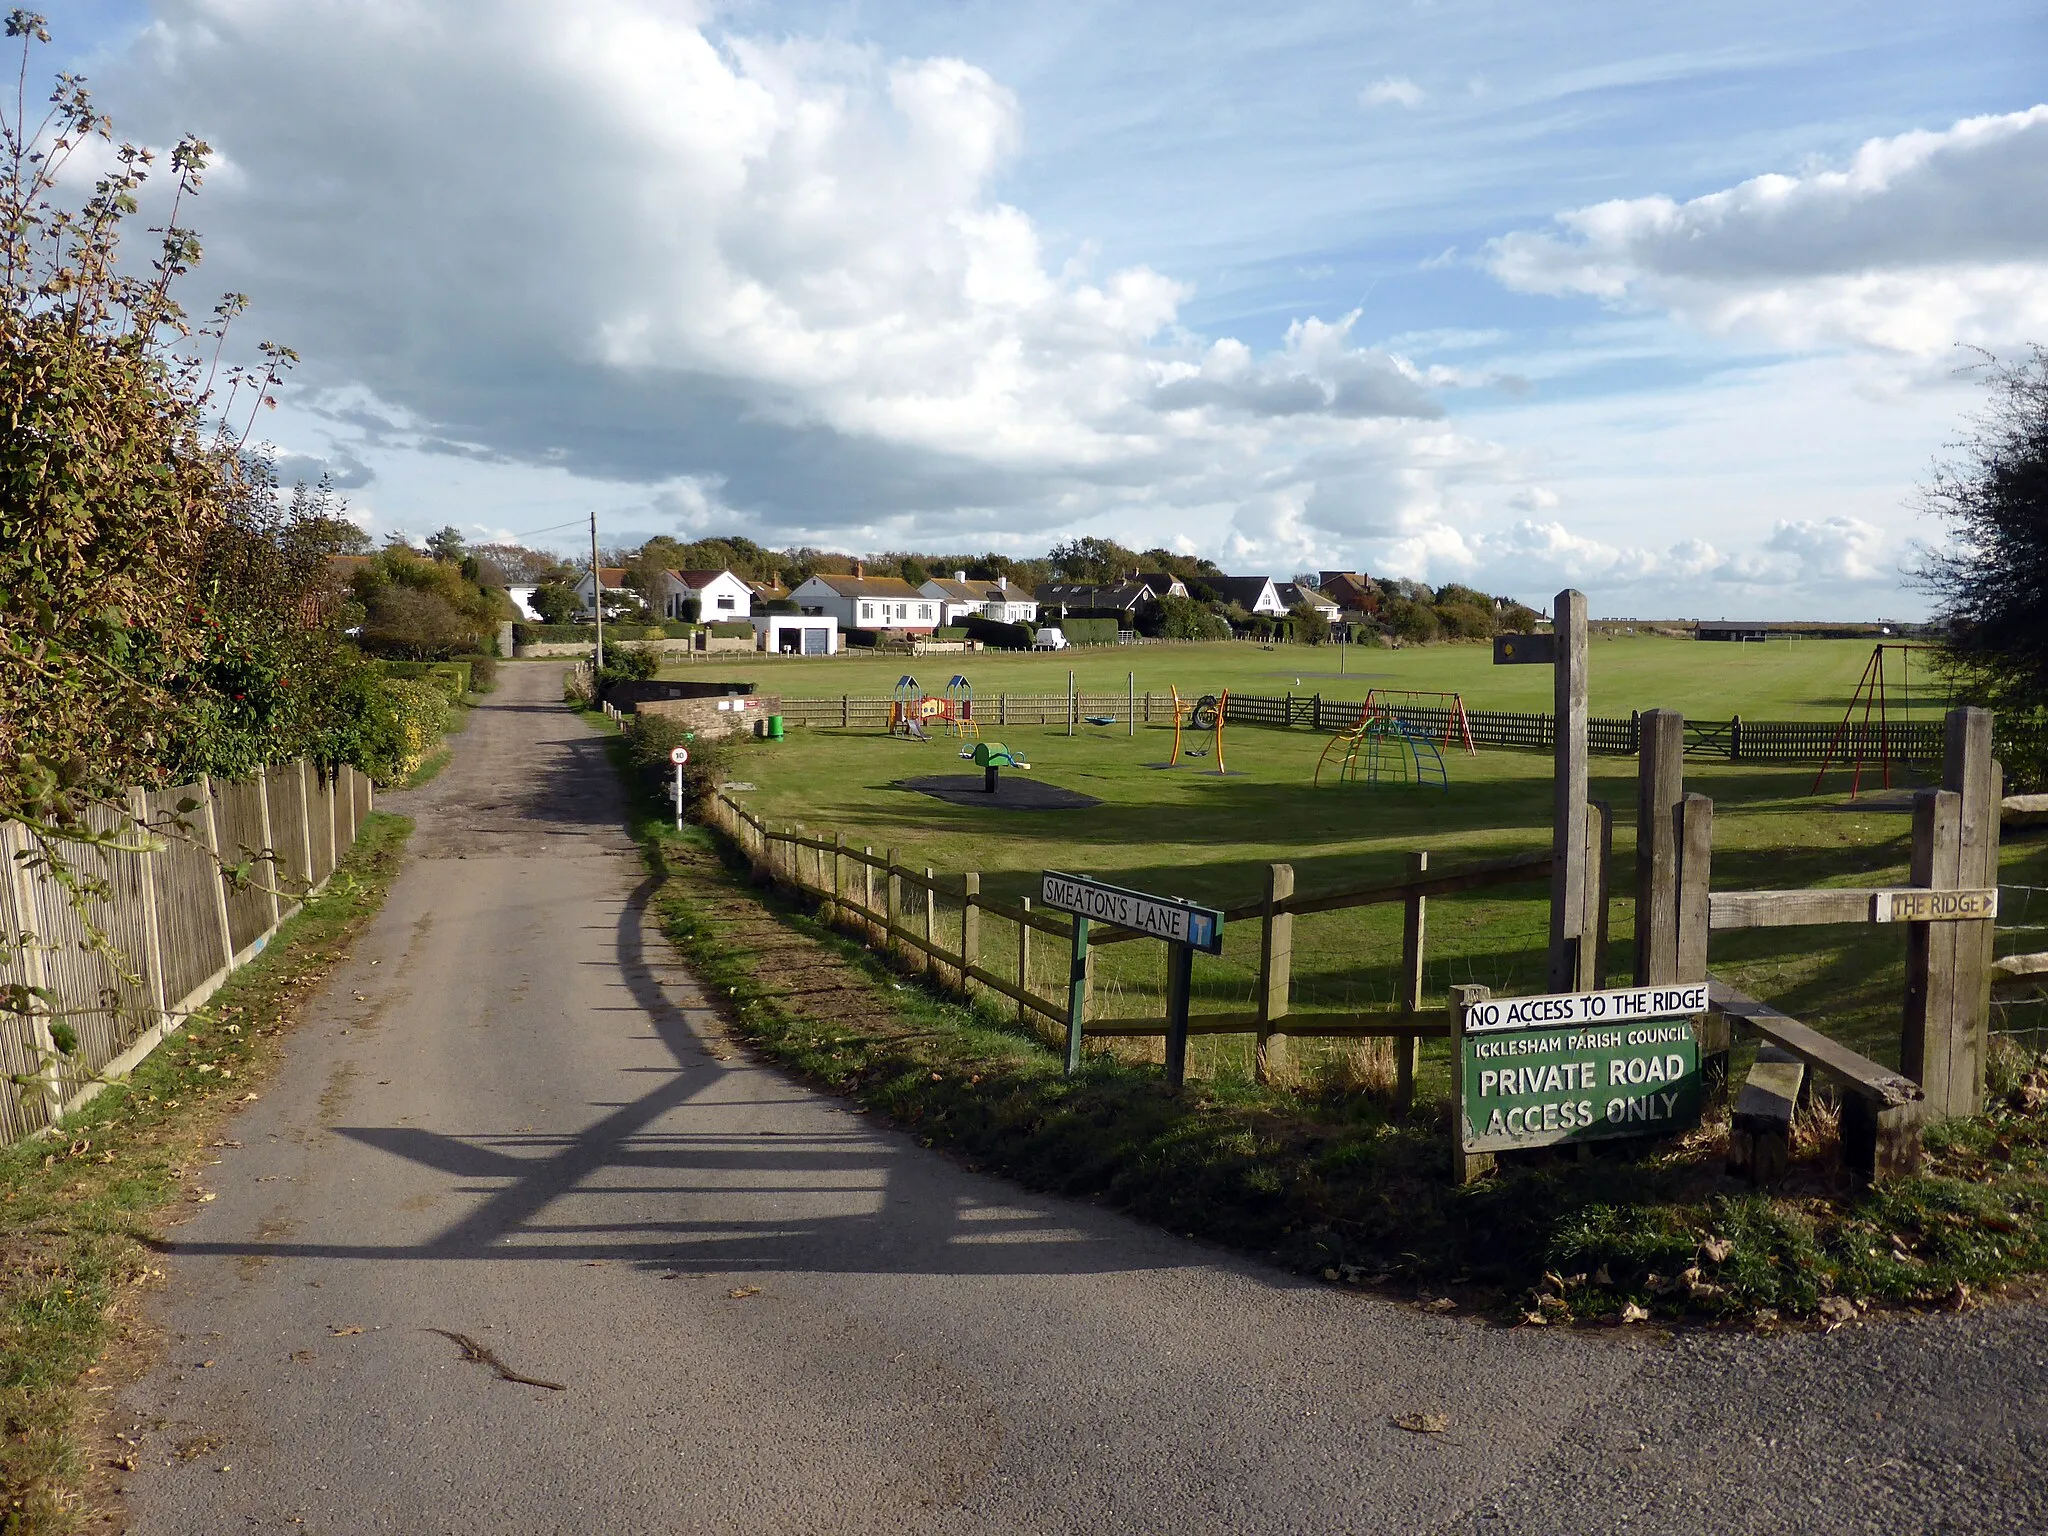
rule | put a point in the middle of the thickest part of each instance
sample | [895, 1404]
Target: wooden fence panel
[286, 790]
[238, 812]
[20, 1113]
[189, 937]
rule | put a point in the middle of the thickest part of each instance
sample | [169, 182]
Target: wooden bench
[1881, 1109]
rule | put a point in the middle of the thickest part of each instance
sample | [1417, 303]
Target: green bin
[775, 727]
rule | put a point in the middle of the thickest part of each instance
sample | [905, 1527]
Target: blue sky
[1453, 290]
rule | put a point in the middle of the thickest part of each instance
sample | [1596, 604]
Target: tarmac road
[511, 1117]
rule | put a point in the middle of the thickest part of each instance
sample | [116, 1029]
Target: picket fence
[176, 925]
[1735, 740]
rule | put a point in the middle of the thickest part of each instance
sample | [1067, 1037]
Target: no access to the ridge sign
[1615, 1007]
[1163, 917]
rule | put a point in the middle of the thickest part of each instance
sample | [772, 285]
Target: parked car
[1049, 639]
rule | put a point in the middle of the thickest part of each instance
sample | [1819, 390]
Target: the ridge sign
[1579, 1066]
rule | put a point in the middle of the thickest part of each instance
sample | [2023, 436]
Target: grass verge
[77, 1209]
[1325, 1179]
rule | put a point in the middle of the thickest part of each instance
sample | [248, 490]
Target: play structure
[991, 757]
[1382, 749]
[1851, 743]
[1208, 714]
[916, 714]
[1405, 704]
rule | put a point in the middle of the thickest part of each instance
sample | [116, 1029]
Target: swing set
[1391, 702]
[1208, 713]
[1852, 739]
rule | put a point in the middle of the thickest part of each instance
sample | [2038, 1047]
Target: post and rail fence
[175, 923]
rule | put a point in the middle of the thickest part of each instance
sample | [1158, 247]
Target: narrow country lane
[509, 1116]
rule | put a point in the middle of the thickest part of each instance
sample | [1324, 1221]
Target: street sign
[1164, 917]
[679, 755]
[1585, 1066]
[1524, 650]
[1918, 906]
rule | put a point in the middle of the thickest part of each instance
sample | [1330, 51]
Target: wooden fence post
[931, 913]
[1593, 917]
[1969, 769]
[892, 901]
[1660, 788]
[838, 877]
[1568, 809]
[210, 829]
[1024, 1013]
[970, 929]
[1931, 950]
[1465, 1166]
[152, 920]
[35, 972]
[305, 778]
[1693, 832]
[1276, 974]
[1414, 932]
[269, 850]
[867, 896]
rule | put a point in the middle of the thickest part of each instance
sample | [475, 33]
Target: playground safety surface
[1012, 794]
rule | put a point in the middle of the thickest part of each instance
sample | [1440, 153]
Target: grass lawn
[1188, 832]
[1779, 680]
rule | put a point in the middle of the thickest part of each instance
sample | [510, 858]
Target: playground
[1193, 833]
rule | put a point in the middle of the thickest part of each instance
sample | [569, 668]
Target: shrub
[950, 632]
[627, 663]
[1409, 620]
[995, 634]
[1090, 631]
[648, 741]
[1466, 621]
[483, 672]
[732, 629]
[869, 638]
[534, 634]
[419, 717]
[1182, 618]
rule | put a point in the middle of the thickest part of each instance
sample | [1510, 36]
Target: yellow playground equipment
[915, 713]
[1383, 749]
[1208, 713]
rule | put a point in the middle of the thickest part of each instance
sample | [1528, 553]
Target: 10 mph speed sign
[679, 755]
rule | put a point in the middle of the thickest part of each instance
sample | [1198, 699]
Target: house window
[725, 603]
[867, 610]
[924, 610]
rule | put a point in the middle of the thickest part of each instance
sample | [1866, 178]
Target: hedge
[1088, 631]
[995, 634]
[451, 677]
[731, 629]
[534, 634]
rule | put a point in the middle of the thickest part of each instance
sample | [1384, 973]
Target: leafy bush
[451, 677]
[950, 632]
[1089, 631]
[869, 638]
[627, 664]
[420, 718]
[996, 635]
[732, 629]
[1181, 618]
[1409, 620]
[1466, 621]
[483, 672]
[648, 740]
[537, 634]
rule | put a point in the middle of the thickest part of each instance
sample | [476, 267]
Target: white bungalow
[996, 600]
[868, 602]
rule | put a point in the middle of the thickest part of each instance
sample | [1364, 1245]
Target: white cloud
[1394, 90]
[1921, 241]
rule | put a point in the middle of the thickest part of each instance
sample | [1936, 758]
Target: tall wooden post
[892, 902]
[1276, 973]
[210, 829]
[867, 893]
[1948, 965]
[152, 918]
[1414, 931]
[1568, 805]
[269, 854]
[1593, 926]
[931, 923]
[1660, 787]
[1465, 1166]
[1077, 993]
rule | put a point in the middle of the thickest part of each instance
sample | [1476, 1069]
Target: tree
[556, 602]
[1311, 625]
[1990, 584]
[1409, 620]
[1181, 618]
[447, 545]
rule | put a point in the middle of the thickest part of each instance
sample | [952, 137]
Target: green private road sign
[1579, 1066]
[1164, 917]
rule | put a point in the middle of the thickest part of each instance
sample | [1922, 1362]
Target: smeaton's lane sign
[1579, 1066]
[1163, 917]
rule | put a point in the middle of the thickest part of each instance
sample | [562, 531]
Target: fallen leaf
[344, 1332]
[1765, 1317]
[1717, 1249]
[1423, 1423]
[304, 1354]
[1836, 1310]
[1959, 1298]
[742, 1292]
[249, 1098]
[1602, 1277]
[1631, 1312]
[1442, 1304]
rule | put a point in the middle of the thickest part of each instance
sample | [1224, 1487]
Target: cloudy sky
[1671, 303]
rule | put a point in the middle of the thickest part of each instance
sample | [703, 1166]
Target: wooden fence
[934, 923]
[1735, 740]
[175, 924]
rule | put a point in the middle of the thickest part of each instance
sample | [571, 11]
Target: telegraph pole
[597, 592]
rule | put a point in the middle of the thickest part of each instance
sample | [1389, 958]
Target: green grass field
[1780, 680]
[1185, 831]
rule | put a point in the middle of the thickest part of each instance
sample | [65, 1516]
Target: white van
[1049, 639]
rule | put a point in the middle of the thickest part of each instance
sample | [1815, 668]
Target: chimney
[858, 571]
[959, 575]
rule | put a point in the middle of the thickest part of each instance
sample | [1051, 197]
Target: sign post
[679, 756]
[1575, 1067]
[1184, 926]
